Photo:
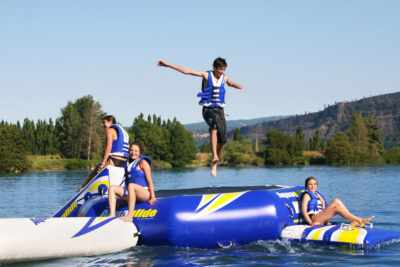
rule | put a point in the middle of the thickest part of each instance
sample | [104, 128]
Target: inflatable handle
[102, 189]
[87, 196]
[228, 245]
[346, 227]
[291, 212]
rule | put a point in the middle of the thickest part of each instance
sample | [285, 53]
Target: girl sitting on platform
[315, 212]
[138, 183]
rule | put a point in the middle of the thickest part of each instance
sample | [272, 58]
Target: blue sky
[291, 57]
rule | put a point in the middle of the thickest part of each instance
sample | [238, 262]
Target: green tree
[339, 149]
[12, 150]
[315, 141]
[365, 138]
[237, 136]
[167, 141]
[153, 138]
[205, 148]
[79, 129]
[182, 145]
[358, 134]
[28, 135]
[299, 143]
[235, 151]
[392, 156]
[278, 148]
[375, 147]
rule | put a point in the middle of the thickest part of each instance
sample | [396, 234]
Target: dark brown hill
[333, 119]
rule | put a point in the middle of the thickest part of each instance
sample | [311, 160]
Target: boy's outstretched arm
[183, 70]
[232, 84]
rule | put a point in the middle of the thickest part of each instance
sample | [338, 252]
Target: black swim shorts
[215, 118]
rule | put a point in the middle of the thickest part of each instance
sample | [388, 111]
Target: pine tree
[12, 150]
[339, 149]
[358, 134]
[237, 136]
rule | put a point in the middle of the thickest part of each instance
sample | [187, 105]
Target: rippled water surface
[365, 190]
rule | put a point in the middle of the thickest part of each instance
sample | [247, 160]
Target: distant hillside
[200, 129]
[336, 118]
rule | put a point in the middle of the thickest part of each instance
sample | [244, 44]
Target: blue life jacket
[120, 146]
[213, 94]
[133, 175]
[314, 205]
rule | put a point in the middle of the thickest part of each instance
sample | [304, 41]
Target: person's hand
[152, 201]
[161, 63]
[101, 166]
[317, 223]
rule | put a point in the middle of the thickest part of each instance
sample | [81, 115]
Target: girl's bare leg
[337, 207]
[112, 200]
[135, 192]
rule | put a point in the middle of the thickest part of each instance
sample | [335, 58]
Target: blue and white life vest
[314, 205]
[120, 146]
[213, 95]
[133, 175]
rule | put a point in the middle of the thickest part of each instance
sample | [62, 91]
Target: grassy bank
[55, 162]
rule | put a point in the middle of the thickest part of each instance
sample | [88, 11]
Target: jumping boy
[213, 101]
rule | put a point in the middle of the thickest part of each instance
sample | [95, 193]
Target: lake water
[365, 190]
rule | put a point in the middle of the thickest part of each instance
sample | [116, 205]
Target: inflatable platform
[212, 217]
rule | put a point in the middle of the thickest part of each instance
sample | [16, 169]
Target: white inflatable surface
[24, 239]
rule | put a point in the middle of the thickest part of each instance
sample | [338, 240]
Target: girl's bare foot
[361, 221]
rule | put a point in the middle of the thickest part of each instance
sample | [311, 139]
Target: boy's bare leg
[214, 150]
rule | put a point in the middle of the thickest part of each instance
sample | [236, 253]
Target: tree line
[362, 143]
[78, 133]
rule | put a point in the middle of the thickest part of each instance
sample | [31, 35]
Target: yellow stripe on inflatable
[349, 236]
[205, 199]
[223, 200]
[316, 234]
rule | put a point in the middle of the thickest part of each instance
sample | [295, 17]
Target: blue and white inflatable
[205, 218]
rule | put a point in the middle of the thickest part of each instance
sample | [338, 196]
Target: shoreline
[56, 163]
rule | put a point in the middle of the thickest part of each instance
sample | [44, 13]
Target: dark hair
[220, 63]
[140, 147]
[308, 179]
[109, 118]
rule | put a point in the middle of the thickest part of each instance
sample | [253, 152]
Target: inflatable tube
[232, 218]
[26, 239]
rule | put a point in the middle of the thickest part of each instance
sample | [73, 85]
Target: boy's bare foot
[126, 218]
[214, 169]
[214, 166]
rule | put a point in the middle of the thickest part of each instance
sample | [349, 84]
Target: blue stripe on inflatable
[328, 234]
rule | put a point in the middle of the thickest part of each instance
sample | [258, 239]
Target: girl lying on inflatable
[315, 211]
